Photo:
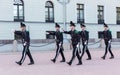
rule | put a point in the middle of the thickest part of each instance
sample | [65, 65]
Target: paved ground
[43, 65]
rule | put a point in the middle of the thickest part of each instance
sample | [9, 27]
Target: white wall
[6, 30]
[6, 10]
[35, 12]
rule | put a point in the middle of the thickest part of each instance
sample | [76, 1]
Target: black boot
[112, 57]
[103, 57]
[62, 60]
[69, 63]
[31, 63]
[53, 60]
[80, 63]
[19, 63]
[88, 59]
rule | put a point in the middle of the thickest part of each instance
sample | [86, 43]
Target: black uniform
[59, 44]
[107, 39]
[85, 37]
[75, 41]
[26, 43]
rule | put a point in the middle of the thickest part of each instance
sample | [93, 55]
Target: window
[118, 15]
[100, 34]
[49, 11]
[118, 34]
[100, 14]
[80, 13]
[18, 10]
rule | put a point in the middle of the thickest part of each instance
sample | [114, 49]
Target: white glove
[25, 44]
[109, 41]
[62, 29]
[60, 44]
[85, 42]
[77, 45]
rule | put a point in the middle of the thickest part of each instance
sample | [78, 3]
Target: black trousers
[59, 51]
[85, 49]
[108, 48]
[25, 52]
[74, 54]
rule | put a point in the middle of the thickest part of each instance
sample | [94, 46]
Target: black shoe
[31, 63]
[19, 63]
[62, 61]
[103, 57]
[80, 63]
[69, 63]
[88, 59]
[53, 60]
[112, 57]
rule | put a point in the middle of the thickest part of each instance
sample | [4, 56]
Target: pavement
[43, 65]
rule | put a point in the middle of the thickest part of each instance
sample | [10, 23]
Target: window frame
[49, 19]
[117, 12]
[100, 20]
[18, 19]
[79, 9]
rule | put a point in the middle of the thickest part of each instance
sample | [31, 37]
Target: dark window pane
[118, 34]
[118, 13]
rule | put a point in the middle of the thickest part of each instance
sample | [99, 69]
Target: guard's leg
[83, 52]
[106, 50]
[62, 54]
[73, 55]
[23, 55]
[112, 56]
[56, 55]
[30, 57]
[79, 59]
[88, 53]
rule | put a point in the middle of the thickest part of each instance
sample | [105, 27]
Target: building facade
[40, 16]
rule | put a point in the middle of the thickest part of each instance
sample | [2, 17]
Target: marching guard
[84, 34]
[26, 43]
[59, 43]
[107, 39]
[75, 43]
